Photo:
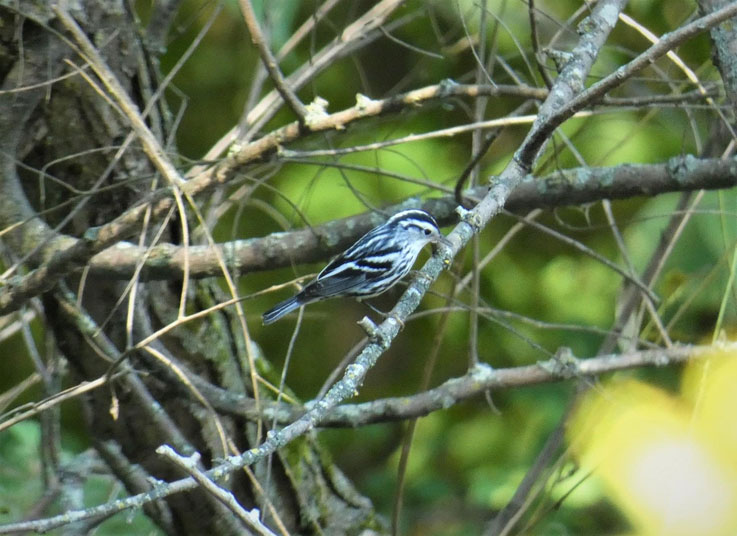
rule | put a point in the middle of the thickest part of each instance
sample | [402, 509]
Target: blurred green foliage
[20, 483]
[22, 486]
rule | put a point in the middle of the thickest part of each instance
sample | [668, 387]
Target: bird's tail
[281, 309]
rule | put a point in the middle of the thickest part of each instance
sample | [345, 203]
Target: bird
[375, 263]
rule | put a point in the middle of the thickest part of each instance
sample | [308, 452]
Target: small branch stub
[369, 327]
[469, 217]
[563, 364]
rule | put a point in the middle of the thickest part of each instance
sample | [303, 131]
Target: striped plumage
[377, 261]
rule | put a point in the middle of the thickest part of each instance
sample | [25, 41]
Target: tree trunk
[61, 138]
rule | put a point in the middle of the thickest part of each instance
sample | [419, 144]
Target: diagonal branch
[599, 89]
[272, 67]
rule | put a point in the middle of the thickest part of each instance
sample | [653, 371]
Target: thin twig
[536, 46]
[189, 464]
[272, 66]
[631, 278]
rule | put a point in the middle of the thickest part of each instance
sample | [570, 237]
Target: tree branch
[568, 187]
[190, 465]
[724, 38]
[666, 43]
[478, 380]
[272, 66]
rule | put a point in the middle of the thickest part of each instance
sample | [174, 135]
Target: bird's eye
[427, 232]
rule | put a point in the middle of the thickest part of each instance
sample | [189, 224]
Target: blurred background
[538, 294]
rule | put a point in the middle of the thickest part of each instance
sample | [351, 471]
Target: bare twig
[189, 464]
[629, 277]
[536, 46]
[270, 62]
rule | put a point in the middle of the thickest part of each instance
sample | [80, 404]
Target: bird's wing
[338, 283]
[368, 259]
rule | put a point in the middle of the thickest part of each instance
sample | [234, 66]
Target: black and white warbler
[372, 265]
